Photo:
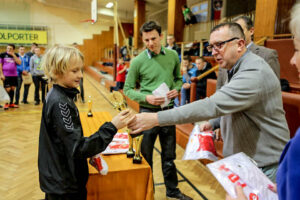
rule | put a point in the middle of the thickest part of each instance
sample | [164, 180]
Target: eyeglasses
[217, 46]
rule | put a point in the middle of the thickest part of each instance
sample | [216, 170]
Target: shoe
[180, 196]
[37, 103]
[25, 102]
[12, 105]
[6, 106]
[1, 106]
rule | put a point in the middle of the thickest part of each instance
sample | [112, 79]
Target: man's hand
[239, 193]
[186, 86]
[172, 94]
[206, 127]
[121, 119]
[153, 100]
[142, 121]
[24, 72]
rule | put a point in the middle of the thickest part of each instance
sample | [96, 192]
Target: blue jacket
[24, 66]
[288, 175]
[191, 73]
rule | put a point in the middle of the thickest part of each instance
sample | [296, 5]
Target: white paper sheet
[162, 91]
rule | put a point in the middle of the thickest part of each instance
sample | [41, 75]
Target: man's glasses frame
[217, 46]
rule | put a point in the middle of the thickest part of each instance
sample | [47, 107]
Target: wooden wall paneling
[175, 19]
[139, 19]
[265, 15]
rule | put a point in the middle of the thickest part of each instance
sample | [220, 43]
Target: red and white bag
[241, 169]
[99, 163]
[200, 146]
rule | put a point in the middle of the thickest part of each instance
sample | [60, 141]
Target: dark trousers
[76, 196]
[167, 138]
[18, 88]
[39, 81]
[25, 94]
[119, 86]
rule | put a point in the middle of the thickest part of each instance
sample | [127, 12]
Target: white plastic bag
[3, 95]
[200, 146]
[99, 163]
[240, 169]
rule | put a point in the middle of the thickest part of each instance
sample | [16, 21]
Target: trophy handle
[130, 153]
[138, 143]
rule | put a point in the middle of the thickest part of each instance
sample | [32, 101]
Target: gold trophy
[90, 103]
[119, 103]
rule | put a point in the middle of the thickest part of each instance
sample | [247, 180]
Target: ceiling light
[109, 5]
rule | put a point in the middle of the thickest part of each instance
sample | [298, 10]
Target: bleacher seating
[285, 50]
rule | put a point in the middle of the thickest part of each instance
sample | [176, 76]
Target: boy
[37, 73]
[8, 73]
[63, 170]
[121, 73]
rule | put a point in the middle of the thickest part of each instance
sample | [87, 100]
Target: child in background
[63, 150]
[121, 73]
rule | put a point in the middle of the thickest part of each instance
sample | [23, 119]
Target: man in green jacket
[151, 68]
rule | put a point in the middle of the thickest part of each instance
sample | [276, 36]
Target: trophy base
[137, 160]
[90, 114]
[130, 154]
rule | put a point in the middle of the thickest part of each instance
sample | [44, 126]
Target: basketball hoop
[88, 20]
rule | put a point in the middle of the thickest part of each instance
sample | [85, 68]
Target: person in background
[23, 68]
[63, 150]
[37, 73]
[8, 73]
[288, 175]
[188, 16]
[30, 53]
[121, 73]
[202, 66]
[171, 44]
[152, 67]
[189, 71]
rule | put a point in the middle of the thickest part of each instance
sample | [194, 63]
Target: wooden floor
[19, 132]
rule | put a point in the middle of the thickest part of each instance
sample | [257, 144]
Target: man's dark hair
[35, 44]
[21, 46]
[150, 26]
[12, 45]
[247, 20]
[234, 28]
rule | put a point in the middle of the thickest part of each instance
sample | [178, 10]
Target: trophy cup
[119, 103]
[90, 103]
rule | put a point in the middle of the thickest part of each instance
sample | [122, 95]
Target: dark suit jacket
[269, 55]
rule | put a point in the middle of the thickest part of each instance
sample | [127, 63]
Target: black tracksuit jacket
[63, 151]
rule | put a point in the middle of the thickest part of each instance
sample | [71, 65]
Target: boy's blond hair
[56, 61]
[295, 21]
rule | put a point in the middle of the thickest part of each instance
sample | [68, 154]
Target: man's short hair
[57, 59]
[12, 45]
[247, 20]
[35, 44]
[21, 46]
[150, 26]
[200, 58]
[234, 28]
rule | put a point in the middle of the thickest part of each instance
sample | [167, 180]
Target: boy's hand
[172, 94]
[121, 119]
[153, 100]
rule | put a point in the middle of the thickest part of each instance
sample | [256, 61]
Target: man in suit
[269, 55]
[250, 104]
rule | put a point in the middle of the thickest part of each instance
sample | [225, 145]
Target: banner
[22, 36]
